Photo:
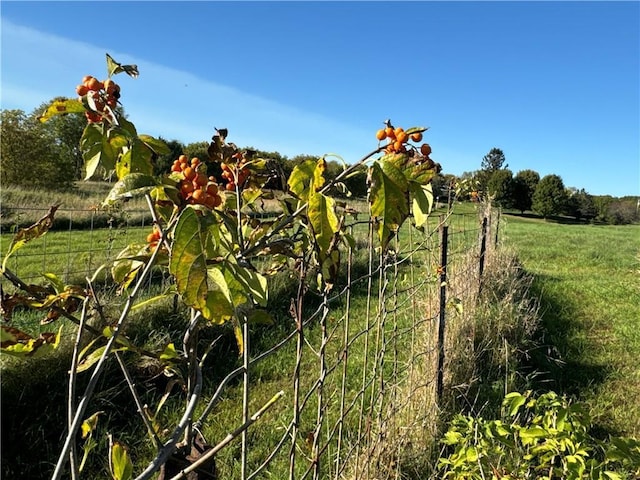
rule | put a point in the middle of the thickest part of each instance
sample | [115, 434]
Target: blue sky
[555, 85]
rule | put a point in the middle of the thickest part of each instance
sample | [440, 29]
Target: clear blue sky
[555, 85]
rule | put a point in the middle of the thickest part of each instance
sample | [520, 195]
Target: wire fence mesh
[363, 391]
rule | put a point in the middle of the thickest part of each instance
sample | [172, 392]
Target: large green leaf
[158, 146]
[61, 107]
[306, 178]
[323, 219]
[389, 197]
[415, 168]
[188, 262]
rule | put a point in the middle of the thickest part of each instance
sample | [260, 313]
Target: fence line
[379, 380]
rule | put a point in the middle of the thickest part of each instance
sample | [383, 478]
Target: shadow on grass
[553, 219]
[561, 360]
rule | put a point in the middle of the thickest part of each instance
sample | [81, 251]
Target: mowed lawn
[588, 279]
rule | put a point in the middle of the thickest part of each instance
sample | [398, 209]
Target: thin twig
[72, 388]
[132, 388]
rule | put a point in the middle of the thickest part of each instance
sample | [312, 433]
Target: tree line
[546, 196]
[47, 156]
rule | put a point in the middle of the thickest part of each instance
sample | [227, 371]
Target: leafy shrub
[543, 437]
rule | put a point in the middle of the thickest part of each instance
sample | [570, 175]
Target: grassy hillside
[587, 279]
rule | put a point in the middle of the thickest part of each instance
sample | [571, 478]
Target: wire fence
[364, 389]
[79, 242]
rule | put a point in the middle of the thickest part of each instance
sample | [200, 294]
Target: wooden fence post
[444, 242]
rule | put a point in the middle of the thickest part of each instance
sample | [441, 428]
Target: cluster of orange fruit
[195, 187]
[397, 139]
[235, 174]
[104, 94]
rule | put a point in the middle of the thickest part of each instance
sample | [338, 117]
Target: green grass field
[587, 277]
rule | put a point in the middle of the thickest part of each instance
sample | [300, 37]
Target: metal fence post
[444, 242]
[483, 249]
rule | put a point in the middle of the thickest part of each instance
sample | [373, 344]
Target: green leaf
[132, 185]
[156, 145]
[188, 260]
[532, 433]
[237, 331]
[128, 128]
[323, 219]
[389, 197]
[452, 438]
[513, 401]
[90, 424]
[87, 362]
[245, 284]
[612, 475]
[57, 284]
[113, 68]
[219, 304]
[96, 150]
[307, 178]
[415, 169]
[121, 465]
[422, 202]
[62, 107]
[136, 159]
[169, 353]
[25, 235]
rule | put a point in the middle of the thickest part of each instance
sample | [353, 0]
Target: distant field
[588, 279]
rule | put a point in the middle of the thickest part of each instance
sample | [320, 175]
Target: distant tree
[500, 187]
[580, 205]
[550, 196]
[602, 203]
[66, 131]
[491, 162]
[524, 184]
[30, 154]
[622, 211]
[439, 185]
[163, 162]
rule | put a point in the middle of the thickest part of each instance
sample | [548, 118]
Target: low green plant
[536, 437]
